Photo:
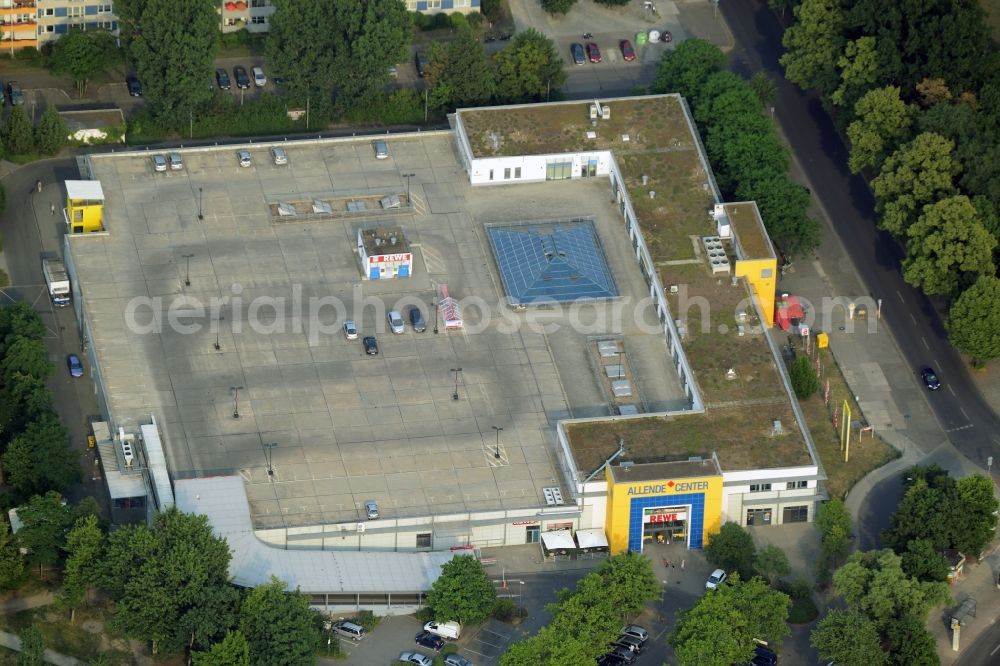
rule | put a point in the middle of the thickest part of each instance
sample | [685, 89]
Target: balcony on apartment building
[18, 22]
[15, 5]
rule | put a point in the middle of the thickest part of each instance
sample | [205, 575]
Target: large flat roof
[347, 427]
[670, 189]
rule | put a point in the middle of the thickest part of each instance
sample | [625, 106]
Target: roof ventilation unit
[716, 253]
[776, 427]
[128, 453]
[553, 496]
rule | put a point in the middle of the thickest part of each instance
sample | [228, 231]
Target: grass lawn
[866, 454]
[88, 636]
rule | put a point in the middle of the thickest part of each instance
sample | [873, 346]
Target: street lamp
[187, 270]
[454, 396]
[497, 453]
[268, 457]
[436, 305]
[200, 216]
[217, 346]
[236, 400]
[408, 176]
[520, 599]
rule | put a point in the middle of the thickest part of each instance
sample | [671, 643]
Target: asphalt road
[986, 649]
[25, 237]
[916, 325]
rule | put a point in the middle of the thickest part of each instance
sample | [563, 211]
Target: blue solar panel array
[559, 261]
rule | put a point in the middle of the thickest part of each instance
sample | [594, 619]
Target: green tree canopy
[174, 54]
[23, 399]
[19, 320]
[368, 37]
[82, 54]
[920, 172]
[300, 51]
[279, 626]
[883, 122]
[731, 549]
[772, 563]
[815, 43]
[32, 648]
[848, 637]
[858, 71]
[25, 356]
[921, 560]
[51, 133]
[557, 7]
[979, 515]
[874, 583]
[529, 68]
[834, 522]
[40, 459]
[687, 67]
[459, 74]
[161, 574]
[12, 566]
[18, 137]
[233, 650]
[948, 249]
[84, 546]
[974, 320]
[463, 592]
[629, 582]
[783, 206]
[722, 627]
[910, 644]
[47, 521]
[805, 383]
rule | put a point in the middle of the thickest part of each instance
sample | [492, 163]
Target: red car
[628, 53]
[593, 53]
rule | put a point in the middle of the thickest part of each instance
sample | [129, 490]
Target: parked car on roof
[576, 50]
[628, 53]
[244, 158]
[593, 53]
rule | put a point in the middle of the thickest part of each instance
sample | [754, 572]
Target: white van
[450, 630]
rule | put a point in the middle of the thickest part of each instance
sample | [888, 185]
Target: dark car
[763, 657]
[630, 642]
[623, 653]
[576, 50]
[222, 78]
[429, 640]
[15, 92]
[930, 378]
[370, 345]
[628, 53]
[417, 319]
[75, 366]
[593, 53]
[422, 62]
[133, 85]
[242, 79]
[610, 660]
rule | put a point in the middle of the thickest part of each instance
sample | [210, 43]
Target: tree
[772, 563]
[974, 320]
[684, 69]
[931, 500]
[279, 626]
[300, 50]
[731, 549]
[233, 650]
[848, 638]
[82, 54]
[23, 399]
[883, 121]
[834, 522]
[12, 567]
[979, 512]
[814, 44]
[84, 544]
[40, 459]
[47, 521]
[948, 249]
[51, 133]
[529, 68]
[783, 206]
[19, 320]
[32, 648]
[459, 73]
[174, 53]
[764, 88]
[160, 574]
[805, 383]
[858, 71]
[17, 135]
[557, 7]
[874, 583]
[368, 37]
[463, 592]
[918, 173]
[924, 562]
[629, 582]
[25, 356]
[722, 628]
[910, 644]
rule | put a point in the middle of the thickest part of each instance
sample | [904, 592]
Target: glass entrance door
[532, 534]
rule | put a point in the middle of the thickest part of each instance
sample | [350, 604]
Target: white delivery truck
[450, 630]
[57, 280]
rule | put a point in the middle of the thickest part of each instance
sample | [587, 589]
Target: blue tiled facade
[695, 521]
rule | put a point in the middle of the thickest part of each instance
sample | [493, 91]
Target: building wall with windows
[436, 6]
[253, 15]
[57, 17]
[18, 25]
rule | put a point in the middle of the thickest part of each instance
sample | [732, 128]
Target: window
[758, 517]
[424, 540]
[462, 3]
[517, 172]
[259, 3]
[104, 9]
[49, 11]
[795, 514]
[258, 20]
[794, 485]
[491, 174]
[555, 170]
[433, 4]
[760, 487]
[506, 173]
[75, 12]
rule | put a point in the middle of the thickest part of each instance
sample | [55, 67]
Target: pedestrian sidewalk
[978, 583]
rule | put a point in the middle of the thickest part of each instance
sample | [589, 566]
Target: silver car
[395, 321]
[244, 158]
[176, 162]
[416, 658]
[456, 660]
[159, 163]
[371, 508]
[350, 330]
[279, 156]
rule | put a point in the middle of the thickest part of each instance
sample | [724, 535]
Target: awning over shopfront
[558, 540]
[591, 538]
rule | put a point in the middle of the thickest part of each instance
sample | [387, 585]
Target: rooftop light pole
[408, 176]
[454, 396]
[268, 458]
[236, 400]
[200, 216]
[436, 305]
[217, 346]
[499, 430]
[187, 269]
